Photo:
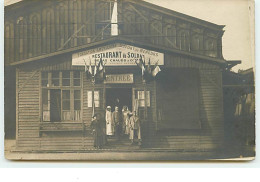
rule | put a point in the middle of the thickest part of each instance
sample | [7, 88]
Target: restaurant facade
[52, 43]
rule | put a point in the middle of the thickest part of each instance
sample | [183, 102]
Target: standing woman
[96, 127]
[125, 113]
[109, 124]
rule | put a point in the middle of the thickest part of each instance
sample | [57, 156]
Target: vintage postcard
[130, 80]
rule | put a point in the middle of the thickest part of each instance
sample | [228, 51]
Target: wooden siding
[28, 114]
[58, 25]
[211, 134]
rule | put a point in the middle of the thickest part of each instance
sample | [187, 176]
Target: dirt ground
[142, 155]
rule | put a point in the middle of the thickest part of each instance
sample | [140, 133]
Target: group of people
[116, 124]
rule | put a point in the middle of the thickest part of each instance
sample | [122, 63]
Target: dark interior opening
[55, 108]
[124, 95]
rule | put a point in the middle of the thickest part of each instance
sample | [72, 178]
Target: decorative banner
[119, 78]
[117, 55]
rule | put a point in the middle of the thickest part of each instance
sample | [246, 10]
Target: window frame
[62, 88]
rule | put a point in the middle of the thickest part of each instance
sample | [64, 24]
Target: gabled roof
[126, 41]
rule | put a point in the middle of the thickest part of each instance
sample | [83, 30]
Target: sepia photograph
[129, 80]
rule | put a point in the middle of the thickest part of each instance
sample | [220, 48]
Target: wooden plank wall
[27, 108]
[47, 27]
[210, 106]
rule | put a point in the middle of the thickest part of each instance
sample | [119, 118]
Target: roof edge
[124, 40]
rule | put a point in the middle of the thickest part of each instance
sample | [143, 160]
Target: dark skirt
[98, 140]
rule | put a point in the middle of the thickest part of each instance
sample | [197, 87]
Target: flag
[86, 68]
[149, 68]
[140, 63]
[100, 65]
[156, 71]
[114, 21]
[95, 69]
[143, 67]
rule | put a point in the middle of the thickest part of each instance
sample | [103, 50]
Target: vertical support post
[146, 122]
[93, 95]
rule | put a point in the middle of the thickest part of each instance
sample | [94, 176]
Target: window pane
[76, 104]
[45, 99]
[66, 74]
[66, 78]
[45, 75]
[55, 82]
[66, 105]
[44, 83]
[44, 79]
[55, 78]
[76, 82]
[76, 94]
[66, 95]
[55, 75]
[65, 82]
[76, 74]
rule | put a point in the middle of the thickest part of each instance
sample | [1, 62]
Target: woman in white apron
[109, 122]
[126, 118]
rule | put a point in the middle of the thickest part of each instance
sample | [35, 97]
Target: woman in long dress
[96, 126]
[126, 118]
[109, 122]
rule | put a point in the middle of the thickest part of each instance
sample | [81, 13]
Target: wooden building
[181, 110]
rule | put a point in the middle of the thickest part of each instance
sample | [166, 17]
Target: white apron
[109, 124]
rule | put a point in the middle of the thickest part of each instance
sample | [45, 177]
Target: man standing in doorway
[117, 120]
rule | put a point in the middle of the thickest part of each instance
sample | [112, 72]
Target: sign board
[117, 55]
[119, 78]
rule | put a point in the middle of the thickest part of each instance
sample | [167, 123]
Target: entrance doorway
[119, 96]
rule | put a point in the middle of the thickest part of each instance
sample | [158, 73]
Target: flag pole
[93, 90]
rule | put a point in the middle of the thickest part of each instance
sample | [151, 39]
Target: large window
[61, 96]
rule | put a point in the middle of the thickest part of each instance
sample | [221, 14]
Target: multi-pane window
[61, 96]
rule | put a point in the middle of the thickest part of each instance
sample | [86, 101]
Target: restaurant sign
[119, 78]
[117, 55]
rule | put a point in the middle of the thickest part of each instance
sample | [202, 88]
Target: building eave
[119, 39]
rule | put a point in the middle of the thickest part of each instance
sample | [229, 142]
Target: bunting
[97, 72]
